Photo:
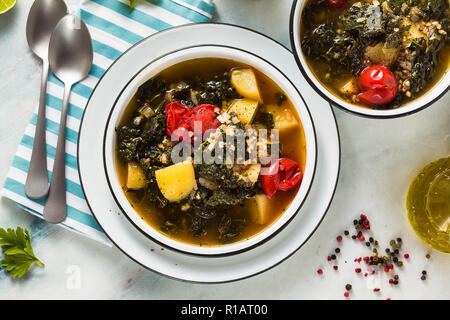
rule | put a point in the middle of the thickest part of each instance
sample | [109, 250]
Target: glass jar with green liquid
[428, 204]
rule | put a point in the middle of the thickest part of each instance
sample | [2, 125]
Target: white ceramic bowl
[438, 90]
[208, 51]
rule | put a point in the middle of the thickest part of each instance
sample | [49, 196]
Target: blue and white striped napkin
[113, 30]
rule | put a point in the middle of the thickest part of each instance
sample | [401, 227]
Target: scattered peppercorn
[337, 250]
[358, 270]
[348, 287]
[428, 256]
[406, 256]
[376, 289]
[424, 272]
[346, 232]
[370, 239]
[392, 243]
[320, 271]
[339, 238]
[335, 267]
[333, 256]
[399, 240]
[346, 294]
[423, 278]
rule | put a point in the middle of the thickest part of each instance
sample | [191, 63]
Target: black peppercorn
[348, 287]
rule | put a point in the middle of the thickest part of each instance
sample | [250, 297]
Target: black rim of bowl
[234, 252]
[298, 51]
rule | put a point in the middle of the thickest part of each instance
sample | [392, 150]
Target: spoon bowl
[71, 51]
[70, 57]
[42, 19]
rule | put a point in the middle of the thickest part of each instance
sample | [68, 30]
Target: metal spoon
[42, 19]
[70, 57]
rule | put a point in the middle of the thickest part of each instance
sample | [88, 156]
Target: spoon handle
[36, 185]
[55, 208]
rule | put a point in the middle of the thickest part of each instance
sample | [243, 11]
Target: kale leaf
[152, 92]
[281, 97]
[214, 172]
[154, 129]
[395, 39]
[127, 140]
[216, 90]
[267, 120]
[326, 43]
[230, 228]
[365, 21]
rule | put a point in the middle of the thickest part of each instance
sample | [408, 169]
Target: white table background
[379, 159]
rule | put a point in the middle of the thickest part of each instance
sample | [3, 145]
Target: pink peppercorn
[339, 238]
[358, 270]
[376, 289]
[320, 271]
[406, 256]
[346, 294]
[335, 267]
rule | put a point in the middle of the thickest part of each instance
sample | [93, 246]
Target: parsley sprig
[132, 4]
[17, 250]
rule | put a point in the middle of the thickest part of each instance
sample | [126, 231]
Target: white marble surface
[379, 158]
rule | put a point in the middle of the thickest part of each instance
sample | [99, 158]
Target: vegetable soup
[205, 203]
[378, 54]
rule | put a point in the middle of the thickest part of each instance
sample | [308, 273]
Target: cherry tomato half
[337, 3]
[378, 84]
[204, 114]
[177, 115]
[283, 174]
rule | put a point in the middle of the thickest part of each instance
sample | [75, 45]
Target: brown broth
[293, 146]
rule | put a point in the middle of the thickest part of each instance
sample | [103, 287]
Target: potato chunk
[176, 181]
[349, 87]
[245, 83]
[259, 208]
[380, 54]
[245, 109]
[249, 173]
[283, 117]
[135, 176]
